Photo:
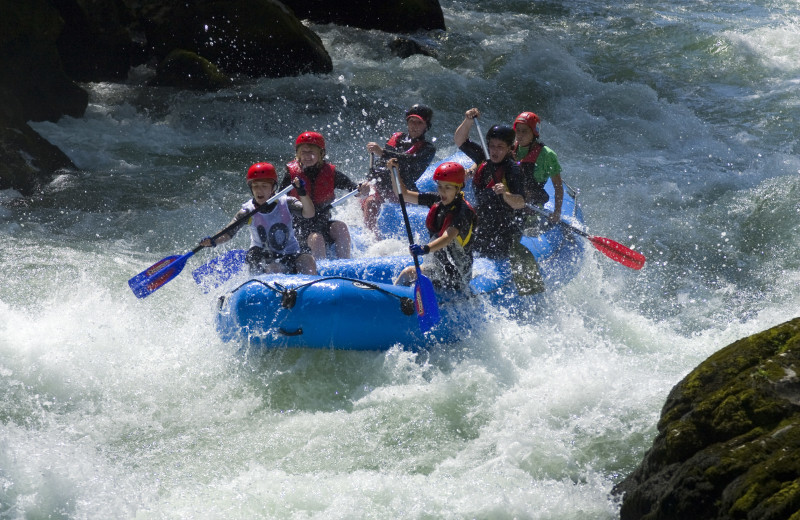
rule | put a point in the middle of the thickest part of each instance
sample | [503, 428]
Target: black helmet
[424, 112]
[502, 132]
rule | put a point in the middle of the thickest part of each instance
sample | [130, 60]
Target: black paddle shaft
[405, 215]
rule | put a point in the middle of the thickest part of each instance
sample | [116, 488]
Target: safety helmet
[262, 171]
[421, 111]
[450, 172]
[502, 132]
[529, 119]
[310, 138]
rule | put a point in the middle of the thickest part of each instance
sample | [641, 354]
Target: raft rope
[289, 294]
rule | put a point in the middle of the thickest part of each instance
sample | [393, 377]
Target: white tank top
[273, 231]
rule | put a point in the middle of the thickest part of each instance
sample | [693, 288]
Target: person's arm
[513, 194]
[343, 182]
[462, 132]
[408, 196]
[305, 200]
[206, 242]
[558, 189]
[437, 243]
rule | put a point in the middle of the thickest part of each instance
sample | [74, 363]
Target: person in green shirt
[538, 163]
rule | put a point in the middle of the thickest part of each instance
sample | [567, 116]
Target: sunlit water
[675, 120]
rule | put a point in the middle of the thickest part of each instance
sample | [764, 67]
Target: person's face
[309, 155]
[524, 135]
[498, 150]
[262, 190]
[416, 127]
[447, 191]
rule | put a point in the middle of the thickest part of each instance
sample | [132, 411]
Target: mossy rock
[186, 70]
[728, 443]
[250, 37]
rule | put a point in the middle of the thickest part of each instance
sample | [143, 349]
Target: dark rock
[33, 87]
[27, 160]
[186, 70]
[95, 44]
[251, 37]
[405, 16]
[404, 47]
[728, 443]
[31, 66]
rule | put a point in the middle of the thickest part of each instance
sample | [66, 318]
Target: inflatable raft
[353, 305]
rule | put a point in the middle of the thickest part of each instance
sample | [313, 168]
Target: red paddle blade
[425, 303]
[619, 253]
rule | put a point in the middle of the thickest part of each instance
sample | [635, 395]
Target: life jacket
[499, 175]
[320, 189]
[272, 230]
[396, 139]
[533, 153]
[430, 220]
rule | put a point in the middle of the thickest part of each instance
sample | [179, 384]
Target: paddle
[223, 267]
[614, 250]
[161, 272]
[424, 296]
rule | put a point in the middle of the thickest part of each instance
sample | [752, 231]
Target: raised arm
[462, 132]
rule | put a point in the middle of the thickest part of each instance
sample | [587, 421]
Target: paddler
[273, 245]
[413, 153]
[451, 224]
[321, 179]
[538, 163]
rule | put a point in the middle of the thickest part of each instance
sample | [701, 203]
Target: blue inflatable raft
[353, 305]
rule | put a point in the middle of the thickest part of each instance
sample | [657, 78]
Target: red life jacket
[533, 153]
[498, 176]
[395, 139]
[321, 188]
[430, 222]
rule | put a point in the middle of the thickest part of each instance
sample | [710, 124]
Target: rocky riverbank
[48, 47]
[728, 443]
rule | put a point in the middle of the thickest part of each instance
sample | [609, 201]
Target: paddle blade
[619, 253]
[425, 303]
[220, 269]
[155, 276]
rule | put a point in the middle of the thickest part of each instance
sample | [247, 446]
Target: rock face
[33, 86]
[47, 45]
[728, 443]
[399, 16]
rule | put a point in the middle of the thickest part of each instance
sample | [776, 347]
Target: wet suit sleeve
[343, 182]
[473, 151]
[427, 199]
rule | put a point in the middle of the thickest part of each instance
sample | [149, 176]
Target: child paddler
[273, 245]
[538, 163]
[451, 223]
[321, 179]
[500, 198]
[413, 153]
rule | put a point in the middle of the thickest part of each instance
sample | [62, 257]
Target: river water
[677, 122]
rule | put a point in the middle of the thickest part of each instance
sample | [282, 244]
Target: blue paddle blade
[155, 276]
[425, 303]
[219, 269]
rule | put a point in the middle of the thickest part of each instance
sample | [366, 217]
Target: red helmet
[310, 138]
[450, 172]
[262, 171]
[530, 120]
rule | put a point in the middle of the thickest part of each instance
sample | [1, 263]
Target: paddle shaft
[482, 138]
[405, 215]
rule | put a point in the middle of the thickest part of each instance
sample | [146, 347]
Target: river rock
[186, 70]
[728, 442]
[405, 16]
[251, 37]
